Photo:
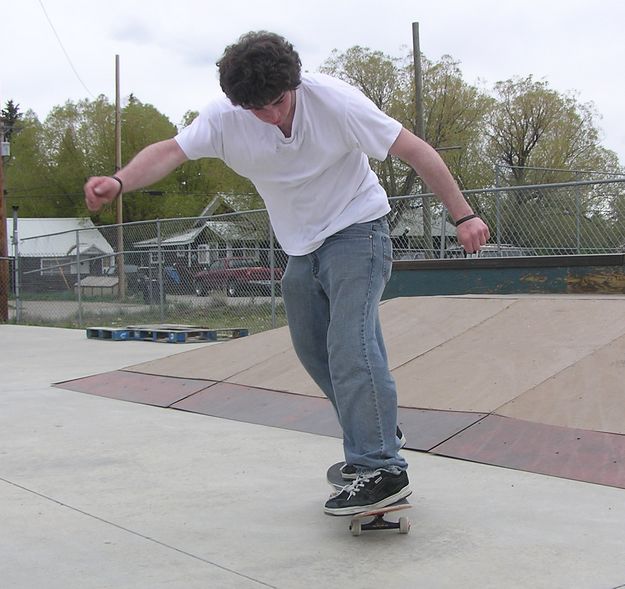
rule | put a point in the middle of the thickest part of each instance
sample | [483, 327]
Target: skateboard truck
[358, 523]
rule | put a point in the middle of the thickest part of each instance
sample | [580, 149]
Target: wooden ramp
[530, 382]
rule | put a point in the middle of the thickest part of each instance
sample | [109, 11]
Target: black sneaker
[402, 438]
[371, 490]
[349, 470]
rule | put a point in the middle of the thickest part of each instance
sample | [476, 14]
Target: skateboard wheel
[355, 527]
[404, 525]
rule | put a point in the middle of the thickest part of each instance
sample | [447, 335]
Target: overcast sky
[168, 48]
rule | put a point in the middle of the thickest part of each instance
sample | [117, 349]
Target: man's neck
[287, 127]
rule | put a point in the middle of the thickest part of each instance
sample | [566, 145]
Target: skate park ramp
[529, 382]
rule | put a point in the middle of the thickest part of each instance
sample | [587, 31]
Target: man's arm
[147, 167]
[420, 156]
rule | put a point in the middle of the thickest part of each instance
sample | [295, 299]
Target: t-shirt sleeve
[203, 137]
[373, 130]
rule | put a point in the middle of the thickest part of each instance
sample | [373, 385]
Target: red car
[237, 277]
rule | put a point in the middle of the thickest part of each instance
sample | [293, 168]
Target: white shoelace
[361, 479]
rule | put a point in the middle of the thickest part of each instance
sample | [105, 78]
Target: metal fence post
[497, 207]
[272, 269]
[498, 217]
[578, 219]
[443, 232]
[161, 289]
[16, 268]
[78, 281]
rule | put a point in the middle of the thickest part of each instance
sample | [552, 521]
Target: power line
[64, 51]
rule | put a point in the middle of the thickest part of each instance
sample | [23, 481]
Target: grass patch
[254, 317]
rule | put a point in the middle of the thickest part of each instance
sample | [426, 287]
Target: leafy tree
[24, 172]
[538, 135]
[65, 168]
[51, 160]
[455, 113]
[373, 72]
[532, 126]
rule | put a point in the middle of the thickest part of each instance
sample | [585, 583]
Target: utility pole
[420, 132]
[418, 82]
[4, 249]
[119, 216]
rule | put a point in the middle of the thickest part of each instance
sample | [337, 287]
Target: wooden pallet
[173, 334]
[117, 334]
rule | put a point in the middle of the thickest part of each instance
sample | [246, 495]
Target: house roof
[241, 229]
[184, 238]
[56, 237]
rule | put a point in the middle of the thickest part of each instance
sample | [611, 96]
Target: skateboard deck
[335, 478]
[360, 521]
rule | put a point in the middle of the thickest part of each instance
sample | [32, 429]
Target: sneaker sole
[405, 492]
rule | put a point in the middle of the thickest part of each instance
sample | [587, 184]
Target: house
[52, 250]
[207, 238]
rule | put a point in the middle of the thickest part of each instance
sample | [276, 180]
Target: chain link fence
[5, 287]
[216, 272]
[224, 271]
[539, 220]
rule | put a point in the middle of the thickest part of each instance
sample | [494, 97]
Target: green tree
[24, 177]
[533, 126]
[455, 114]
[538, 135]
[70, 143]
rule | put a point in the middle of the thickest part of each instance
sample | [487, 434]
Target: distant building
[49, 250]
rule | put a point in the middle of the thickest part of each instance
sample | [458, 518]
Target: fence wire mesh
[5, 287]
[224, 271]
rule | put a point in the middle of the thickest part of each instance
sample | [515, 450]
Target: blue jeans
[331, 298]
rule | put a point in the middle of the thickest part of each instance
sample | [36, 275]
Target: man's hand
[100, 190]
[472, 235]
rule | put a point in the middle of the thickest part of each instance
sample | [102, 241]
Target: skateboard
[372, 519]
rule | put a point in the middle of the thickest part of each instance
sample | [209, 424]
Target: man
[304, 141]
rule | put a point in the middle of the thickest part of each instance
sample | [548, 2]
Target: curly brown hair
[258, 68]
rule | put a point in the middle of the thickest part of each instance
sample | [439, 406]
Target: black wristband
[467, 218]
[121, 185]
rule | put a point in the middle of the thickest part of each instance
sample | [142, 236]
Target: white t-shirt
[317, 181]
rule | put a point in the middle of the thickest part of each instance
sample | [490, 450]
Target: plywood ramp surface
[221, 361]
[588, 395]
[510, 353]
[411, 326]
[475, 354]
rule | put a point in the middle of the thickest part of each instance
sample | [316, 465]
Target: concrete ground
[101, 493]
